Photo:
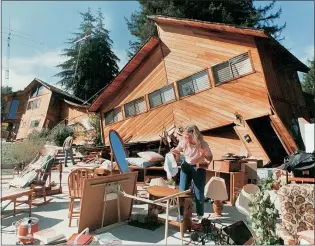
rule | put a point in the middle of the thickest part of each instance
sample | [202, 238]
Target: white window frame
[162, 96]
[114, 115]
[192, 85]
[135, 106]
[232, 70]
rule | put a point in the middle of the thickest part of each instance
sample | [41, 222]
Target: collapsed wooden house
[238, 85]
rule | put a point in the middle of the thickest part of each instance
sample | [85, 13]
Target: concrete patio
[55, 215]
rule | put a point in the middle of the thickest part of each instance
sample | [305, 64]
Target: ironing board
[169, 202]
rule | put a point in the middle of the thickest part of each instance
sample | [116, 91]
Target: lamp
[158, 182]
[216, 190]
[245, 197]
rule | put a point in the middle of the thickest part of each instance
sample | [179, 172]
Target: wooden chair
[75, 183]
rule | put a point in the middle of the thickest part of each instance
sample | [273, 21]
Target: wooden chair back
[76, 181]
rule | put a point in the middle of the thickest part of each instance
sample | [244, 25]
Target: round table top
[163, 191]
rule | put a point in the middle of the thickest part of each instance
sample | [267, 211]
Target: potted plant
[264, 214]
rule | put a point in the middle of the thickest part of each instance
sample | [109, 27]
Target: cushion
[307, 235]
[140, 162]
[151, 156]
[297, 207]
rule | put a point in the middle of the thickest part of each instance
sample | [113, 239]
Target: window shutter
[13, 109]
[185, 87]
[241, 65]
[167, 93]
[130, 109]
[117, 114]
[201, 81]
[155, 99]
[140, 106]
[222, 72]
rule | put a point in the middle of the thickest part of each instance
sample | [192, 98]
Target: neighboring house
[78, 118]
[238, 85]
[45, 106]
[15, 107]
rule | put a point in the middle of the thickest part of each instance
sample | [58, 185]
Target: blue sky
[41, 28]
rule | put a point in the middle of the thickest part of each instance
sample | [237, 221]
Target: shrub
[60, 133]
[94, 121]
[25, 152]
[43, 134]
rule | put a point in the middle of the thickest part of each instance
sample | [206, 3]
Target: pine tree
[308, 83]
[308, 86]
[91, 63]
[237, 12]
[4, 90]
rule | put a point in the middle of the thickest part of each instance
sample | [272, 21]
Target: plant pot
[217, 208]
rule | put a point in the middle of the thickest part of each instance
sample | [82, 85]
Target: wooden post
[166, 222]
[104, 205]
[111, 161]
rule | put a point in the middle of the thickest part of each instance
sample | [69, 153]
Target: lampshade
[158, 182]
[245, 197]
[216, 189]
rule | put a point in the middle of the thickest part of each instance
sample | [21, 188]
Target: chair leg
[44, 193]
[71, 211]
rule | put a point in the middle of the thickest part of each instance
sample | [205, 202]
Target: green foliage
[25, 152]
[94, 121]
[4, 90]
[91, 63]
[308, 80]
[308, 86]
[267, 184]
[241, 13]
[42, 134]
[60, 133]
[264, 215]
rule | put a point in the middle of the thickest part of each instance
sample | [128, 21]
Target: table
[159, 192]
[13, 195]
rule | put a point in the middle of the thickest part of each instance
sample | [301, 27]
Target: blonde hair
[194, 131]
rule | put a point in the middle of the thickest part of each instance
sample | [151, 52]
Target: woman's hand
[175, 151]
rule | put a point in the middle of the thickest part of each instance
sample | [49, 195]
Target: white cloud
[305, 54]
[43, 66]
[24, 69]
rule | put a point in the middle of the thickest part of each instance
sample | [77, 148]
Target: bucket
[25, 229]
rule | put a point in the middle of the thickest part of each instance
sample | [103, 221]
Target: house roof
[260, 33]
[137, 59]
[131, 66]
[76, 104]
[54, 89]
[209, 25]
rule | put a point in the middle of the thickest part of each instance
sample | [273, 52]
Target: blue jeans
[188, 173]
[68, 152]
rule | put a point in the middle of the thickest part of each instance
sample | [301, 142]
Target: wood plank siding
[285, 92]
[37, 114]
[198, 60]
[183, 52]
